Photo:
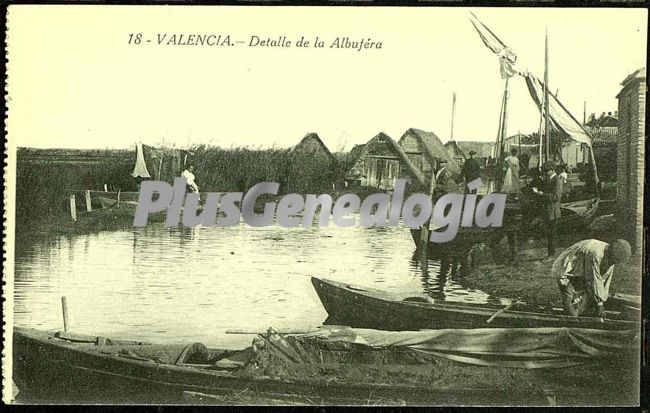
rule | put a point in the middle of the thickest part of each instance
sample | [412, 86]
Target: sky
[74, 81]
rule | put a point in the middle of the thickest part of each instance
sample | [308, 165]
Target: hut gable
[381, 162]
[424, 149]
[454, 151]
[312, 144]
[312, 167]
[483, 149]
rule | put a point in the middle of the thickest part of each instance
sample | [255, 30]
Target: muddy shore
[530, 280]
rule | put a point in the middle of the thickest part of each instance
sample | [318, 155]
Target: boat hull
[368, 308]
[48, 371]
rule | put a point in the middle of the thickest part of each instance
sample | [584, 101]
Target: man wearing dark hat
[551, 194]
[443, 179]
[584, 273]
[471, 171]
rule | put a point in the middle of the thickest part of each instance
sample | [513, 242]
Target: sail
[561, 118]
[507, 57]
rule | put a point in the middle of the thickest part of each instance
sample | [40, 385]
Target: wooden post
[118, 197]
[73, 208]
[105, 188]
[424, 232]
[89, 207]
[64, 305]
[504, 128]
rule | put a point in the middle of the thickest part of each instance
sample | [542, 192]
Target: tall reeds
[43, 185]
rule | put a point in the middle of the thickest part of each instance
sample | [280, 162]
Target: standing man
[471, 171]
[584, 272]
[444, 181]
[188, 174]
[551, 195]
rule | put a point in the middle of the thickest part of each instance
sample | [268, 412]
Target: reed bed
[238, 169]
[43, 186]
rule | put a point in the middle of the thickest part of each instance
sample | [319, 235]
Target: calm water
[192, 284]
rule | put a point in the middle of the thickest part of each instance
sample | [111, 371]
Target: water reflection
[192, 284]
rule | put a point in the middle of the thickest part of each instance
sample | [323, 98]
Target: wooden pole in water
[424, 232]
[89, 207]
[118, 197]
[64, 305]
[73, 208]
[105, 188]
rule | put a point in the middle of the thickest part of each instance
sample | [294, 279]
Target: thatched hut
[483, 149]
[456, 153]
[424, 150]
[381, 162]
[312, 166]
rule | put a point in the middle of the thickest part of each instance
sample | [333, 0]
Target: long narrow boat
[440, 367]
[369, 308]
[60, 367]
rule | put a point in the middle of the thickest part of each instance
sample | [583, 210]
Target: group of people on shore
[584, 270]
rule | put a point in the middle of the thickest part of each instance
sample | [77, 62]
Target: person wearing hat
[584, 273]
[443, 179]
[471, 171]
[551, 195]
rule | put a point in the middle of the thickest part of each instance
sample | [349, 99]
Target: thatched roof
[482, 149]
[433, 147]
[383, 138]
[313, 138]
[530, 139]
[356, 150]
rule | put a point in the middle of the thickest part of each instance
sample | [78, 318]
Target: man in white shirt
[584, 272]
[189, 177]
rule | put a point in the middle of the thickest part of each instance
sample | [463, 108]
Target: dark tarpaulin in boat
[528, 348]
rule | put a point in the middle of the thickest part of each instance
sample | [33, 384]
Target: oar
[242, 331]
[506, 308]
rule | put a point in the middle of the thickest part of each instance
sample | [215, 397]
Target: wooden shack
[381, 162]
[424, 150]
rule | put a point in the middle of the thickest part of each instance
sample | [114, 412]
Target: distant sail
[140, 167]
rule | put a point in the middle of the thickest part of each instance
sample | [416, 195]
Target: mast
[547, 119]
[453, 113]
[503, 118]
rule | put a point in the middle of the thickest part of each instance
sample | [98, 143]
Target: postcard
[247, 205]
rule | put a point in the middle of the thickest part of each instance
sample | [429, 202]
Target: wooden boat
[113, 203]
[61, 367]
[369, 308]
[576, 215]
[64, 367]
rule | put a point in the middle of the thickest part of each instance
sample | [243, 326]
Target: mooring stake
[64, 305]
[89, 207]
[73, 208]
